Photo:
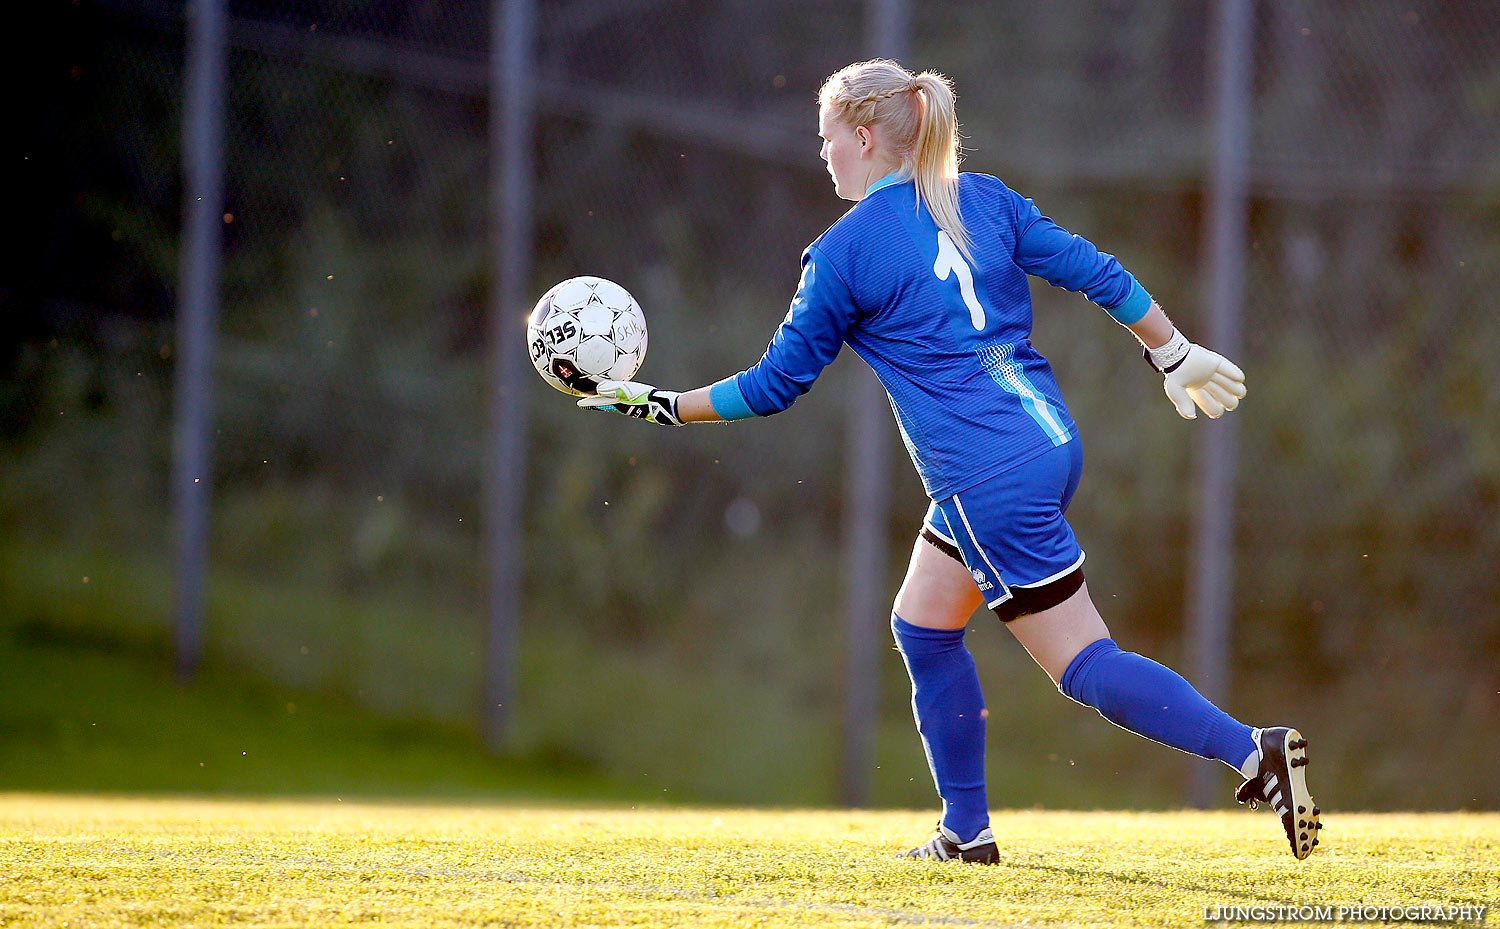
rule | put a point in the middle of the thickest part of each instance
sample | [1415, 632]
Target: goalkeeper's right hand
[632, 398]
[1193, 375]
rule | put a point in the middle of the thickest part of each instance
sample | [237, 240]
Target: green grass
[166, 862]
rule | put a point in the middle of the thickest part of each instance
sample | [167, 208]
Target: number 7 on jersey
[950, 259]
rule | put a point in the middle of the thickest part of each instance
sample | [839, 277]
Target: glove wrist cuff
[666, 403]
[670, 396]
[1165, 358]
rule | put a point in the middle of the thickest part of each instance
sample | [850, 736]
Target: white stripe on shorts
[1061, 574]
[939, 532]
[980, 549]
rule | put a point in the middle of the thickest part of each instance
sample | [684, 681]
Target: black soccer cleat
[944, 846]
[1282, 783]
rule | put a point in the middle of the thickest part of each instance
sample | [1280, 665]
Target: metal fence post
[1211, 583]
[866, 509]
[197, 311]
[512, 114]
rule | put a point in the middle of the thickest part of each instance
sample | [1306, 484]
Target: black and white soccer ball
[585, 330]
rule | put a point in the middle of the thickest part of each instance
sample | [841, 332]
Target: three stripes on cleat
[1282, 783]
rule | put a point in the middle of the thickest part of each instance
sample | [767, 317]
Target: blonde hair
[916, 114]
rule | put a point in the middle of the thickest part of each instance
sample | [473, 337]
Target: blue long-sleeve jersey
[948, 336]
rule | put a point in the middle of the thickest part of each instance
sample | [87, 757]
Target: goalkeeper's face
[844, 148]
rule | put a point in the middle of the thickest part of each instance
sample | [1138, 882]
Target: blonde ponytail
[916, 112]
[935, 161]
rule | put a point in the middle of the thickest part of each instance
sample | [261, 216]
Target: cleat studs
[1301, 809]
[1304, 837]
[1302, 824]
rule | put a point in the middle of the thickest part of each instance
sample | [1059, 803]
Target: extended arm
[803, 345]
[664, 407]
[1192, 375]
[695, 407]
[1154, 329]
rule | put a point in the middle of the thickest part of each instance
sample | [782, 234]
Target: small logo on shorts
[979, 579]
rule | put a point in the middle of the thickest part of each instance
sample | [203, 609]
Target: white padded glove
[1193, 375]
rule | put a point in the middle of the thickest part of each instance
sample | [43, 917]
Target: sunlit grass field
[99, 861]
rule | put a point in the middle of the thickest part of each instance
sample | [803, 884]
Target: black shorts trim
[942, 544]
[1026, 600]
[1023, 601]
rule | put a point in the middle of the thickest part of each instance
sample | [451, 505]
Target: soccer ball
[585, 330]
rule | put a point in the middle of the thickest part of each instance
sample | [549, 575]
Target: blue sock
[1138, 694]
[949, 707]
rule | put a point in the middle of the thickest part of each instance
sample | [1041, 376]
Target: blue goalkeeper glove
[631, 398]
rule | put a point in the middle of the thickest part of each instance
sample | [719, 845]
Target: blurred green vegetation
[683, 624]
[94, 708]
[354, 690]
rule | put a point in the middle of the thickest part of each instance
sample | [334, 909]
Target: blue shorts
[1010, 529]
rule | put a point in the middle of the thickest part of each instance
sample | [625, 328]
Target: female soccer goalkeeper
[925, 278]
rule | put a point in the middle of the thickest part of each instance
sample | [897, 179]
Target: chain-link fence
[683, 587]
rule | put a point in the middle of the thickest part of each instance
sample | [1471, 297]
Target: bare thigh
[1055, 636]
[938, 592]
